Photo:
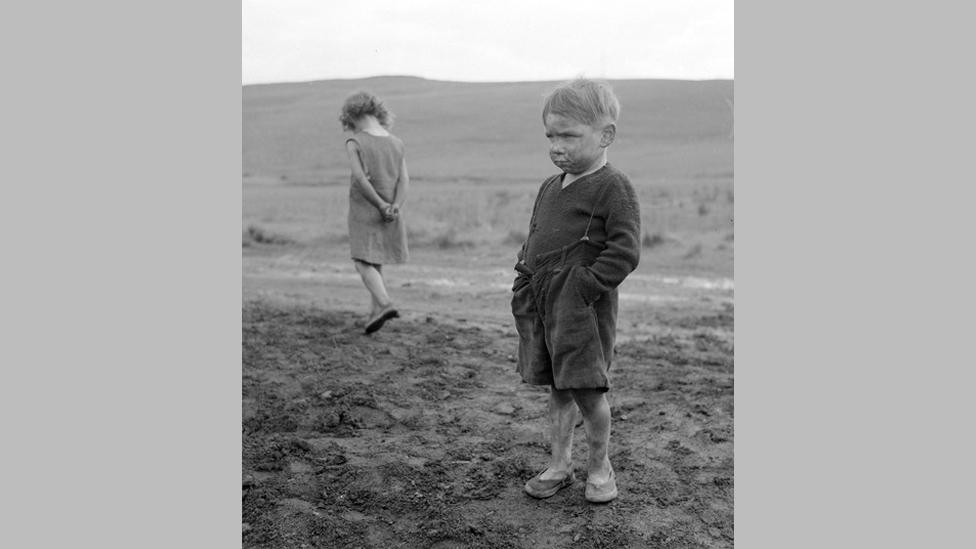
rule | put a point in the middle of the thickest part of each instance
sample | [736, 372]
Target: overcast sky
[494, 40]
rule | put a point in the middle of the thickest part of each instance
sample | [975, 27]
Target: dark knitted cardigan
[560, 217]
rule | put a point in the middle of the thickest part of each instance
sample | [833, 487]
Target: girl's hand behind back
[390, 213]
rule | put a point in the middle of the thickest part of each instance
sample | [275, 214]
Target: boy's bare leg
[373, 280]
[562, 420]
[596, 420]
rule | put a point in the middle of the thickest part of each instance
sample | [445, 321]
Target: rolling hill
[454, 131]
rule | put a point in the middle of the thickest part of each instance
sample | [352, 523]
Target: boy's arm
[535, 206]
[622, 253]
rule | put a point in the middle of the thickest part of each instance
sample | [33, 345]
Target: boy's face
[575, 146]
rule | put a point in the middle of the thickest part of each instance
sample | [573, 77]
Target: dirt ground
[422, 434]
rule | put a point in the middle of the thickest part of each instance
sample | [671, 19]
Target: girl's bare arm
[400, 193]
[359, 176]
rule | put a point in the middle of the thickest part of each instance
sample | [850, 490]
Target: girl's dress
[370, 238]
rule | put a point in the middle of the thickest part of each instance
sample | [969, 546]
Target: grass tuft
[449, 239]
[657, 239]
[694, 251]
[515, 238]
[259, 235]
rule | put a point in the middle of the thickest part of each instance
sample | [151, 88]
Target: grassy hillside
[669, 130]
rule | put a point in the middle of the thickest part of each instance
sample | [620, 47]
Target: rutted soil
[422, 435]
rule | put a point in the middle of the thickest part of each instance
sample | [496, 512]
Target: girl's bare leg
[373, 280]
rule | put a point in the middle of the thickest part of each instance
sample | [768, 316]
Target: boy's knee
[562, 396]
[589, 399]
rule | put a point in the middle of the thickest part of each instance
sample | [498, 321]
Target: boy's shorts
[566, 325]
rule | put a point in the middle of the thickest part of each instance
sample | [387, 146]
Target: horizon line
[608, 79]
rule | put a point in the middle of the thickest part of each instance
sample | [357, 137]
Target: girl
[378, 189]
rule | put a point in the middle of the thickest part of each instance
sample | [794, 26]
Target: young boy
[584, 239]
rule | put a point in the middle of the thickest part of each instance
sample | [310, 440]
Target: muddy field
[422, 435]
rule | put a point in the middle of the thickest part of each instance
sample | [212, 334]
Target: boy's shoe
[602, 493]
[381, 317]
[538, 488]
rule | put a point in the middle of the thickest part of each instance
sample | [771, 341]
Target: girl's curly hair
[363, 103]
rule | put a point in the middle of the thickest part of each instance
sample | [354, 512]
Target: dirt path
[471, 289]
[422, 435]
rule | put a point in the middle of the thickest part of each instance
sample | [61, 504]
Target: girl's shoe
[602, 493]
[380, 318]
[538, 488]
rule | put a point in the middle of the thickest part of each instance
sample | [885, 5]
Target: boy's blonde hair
[587, 101]
[364, 103]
